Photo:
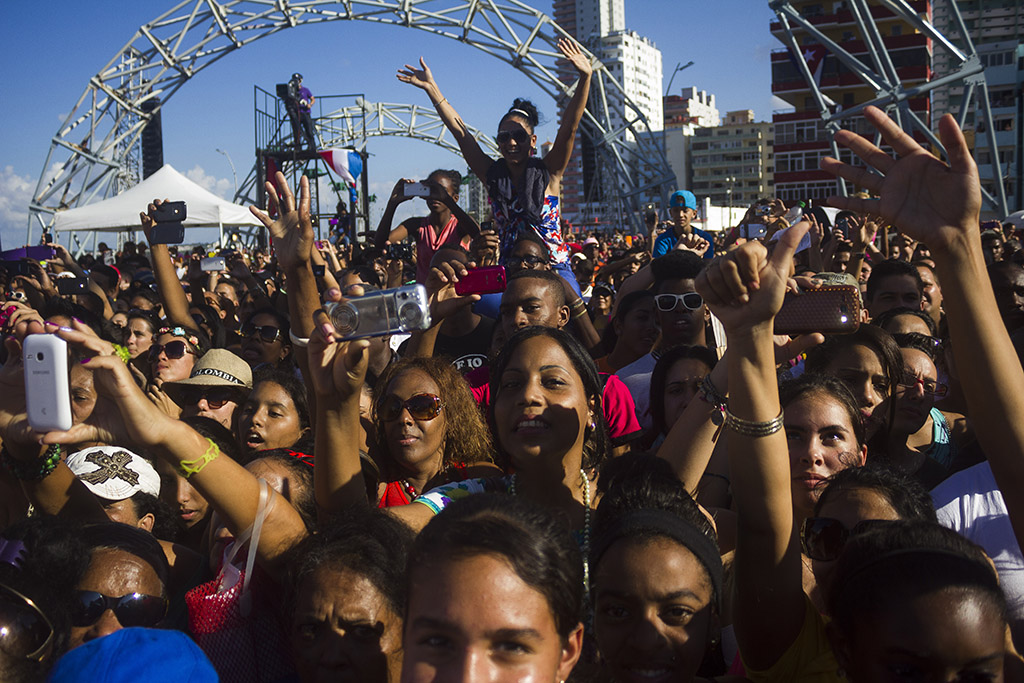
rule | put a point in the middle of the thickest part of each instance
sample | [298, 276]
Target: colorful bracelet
[710, 394]
[753, 429]
[190, 467]
[123, 353]
[33, 470]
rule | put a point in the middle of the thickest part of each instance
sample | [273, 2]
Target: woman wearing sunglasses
[172, 354]
[124, 584]
[523, 190]
[265, 341]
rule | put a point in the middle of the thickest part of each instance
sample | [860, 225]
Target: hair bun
[526, 109]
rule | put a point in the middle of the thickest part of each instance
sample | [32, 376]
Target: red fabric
[427, 244]
[395, 494]
[617, 402]
[243, 648]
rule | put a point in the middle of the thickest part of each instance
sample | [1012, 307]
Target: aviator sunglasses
[25, 632]
[134, 609]
[667, 302]
[520, 136]
[174, 349]
[267, 333]
[420, 406]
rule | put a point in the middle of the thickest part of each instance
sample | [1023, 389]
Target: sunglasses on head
[134, 609]
[667, 302]
[824, 538]
[174, 349]
[520, 136]
[267, 333]
[420, 406]
[25, 632]
[215, 398]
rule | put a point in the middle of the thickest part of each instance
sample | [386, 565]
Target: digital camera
[390, 311]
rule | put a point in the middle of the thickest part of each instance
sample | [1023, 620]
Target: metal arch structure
[95, 152]
[344, 128]
[880, 75]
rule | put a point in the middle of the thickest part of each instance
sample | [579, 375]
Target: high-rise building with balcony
[800, 136]
[733, 163]
[690, 110]
[996, 27]
[635, 62]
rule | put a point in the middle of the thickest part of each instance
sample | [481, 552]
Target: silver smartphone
[47, 388]
[391, 311]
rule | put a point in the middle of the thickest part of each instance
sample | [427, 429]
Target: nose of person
[184, 491]
[813, 454]
[106, 625]
[521, 320]
[647, 636]
[530, 393]
[865, 394]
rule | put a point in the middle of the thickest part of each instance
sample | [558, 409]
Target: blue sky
[51, 48]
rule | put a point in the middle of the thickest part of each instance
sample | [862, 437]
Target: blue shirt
[666, 242]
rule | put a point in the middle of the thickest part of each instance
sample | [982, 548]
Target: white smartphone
[47, 391]
[416, 190]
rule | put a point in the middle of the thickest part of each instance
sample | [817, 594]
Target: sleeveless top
[533, 210]
[427, 243]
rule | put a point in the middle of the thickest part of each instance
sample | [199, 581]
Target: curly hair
[466, 437]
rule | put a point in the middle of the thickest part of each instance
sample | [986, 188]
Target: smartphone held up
[47, 393]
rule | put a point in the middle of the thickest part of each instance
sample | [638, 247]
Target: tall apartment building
[996, 27]
[733, 163]
[690, 110]
[800, 137]
[635, 62]
[473, 197]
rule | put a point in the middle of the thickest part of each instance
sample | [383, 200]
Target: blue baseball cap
[136, 654]
[683, 199]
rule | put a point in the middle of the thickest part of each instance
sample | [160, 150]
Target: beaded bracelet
[33, 470]
[751, 428]
[123, 353]
[190, 467]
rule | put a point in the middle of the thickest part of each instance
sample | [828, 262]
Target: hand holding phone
[416, 190]
[486, 280]
[832, 309]
[47, 392]
[169, 225]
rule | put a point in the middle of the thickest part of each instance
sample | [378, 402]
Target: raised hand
[292, 232]
[693, 242]
[421, 78]
[572, 52]
[146, 220]
[398, 193]
[933, 202]
[337, 368]
[745, 287]
[441, 295]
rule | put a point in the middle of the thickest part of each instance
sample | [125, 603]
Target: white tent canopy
[205, 209]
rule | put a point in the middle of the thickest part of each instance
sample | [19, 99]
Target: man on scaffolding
[298, 104]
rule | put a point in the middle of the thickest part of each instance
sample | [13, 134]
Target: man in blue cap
[682, 207]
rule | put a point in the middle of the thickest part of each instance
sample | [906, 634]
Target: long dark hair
[596, 445]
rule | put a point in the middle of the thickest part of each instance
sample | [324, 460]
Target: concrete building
[636, 63]
[473, 197]
[690, 110]
[733, 164]
[800, 138]
[996, 28]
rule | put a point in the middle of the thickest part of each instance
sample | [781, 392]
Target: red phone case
[486, 280]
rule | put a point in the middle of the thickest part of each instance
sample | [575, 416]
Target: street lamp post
[234, 175]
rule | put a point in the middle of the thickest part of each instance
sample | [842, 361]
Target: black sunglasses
[174, 349]
[824, 538]
[529, 260]
[267, 333]
[134, 609]
[520, 136]
[215, 398]
[420, 406]
[25, 632]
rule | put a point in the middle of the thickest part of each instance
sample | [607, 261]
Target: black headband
[664, 523]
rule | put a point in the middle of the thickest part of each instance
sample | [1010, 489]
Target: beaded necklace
[409, 489]
[586, 526]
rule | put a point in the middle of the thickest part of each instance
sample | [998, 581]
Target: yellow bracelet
[190, 467]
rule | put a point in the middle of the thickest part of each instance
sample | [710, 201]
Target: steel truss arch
[344, 128]
[95, 151]
[880, 75]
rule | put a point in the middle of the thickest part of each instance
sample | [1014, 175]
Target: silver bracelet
[751, 428]
[301, 342]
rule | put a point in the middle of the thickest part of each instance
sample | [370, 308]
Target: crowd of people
[611, 470]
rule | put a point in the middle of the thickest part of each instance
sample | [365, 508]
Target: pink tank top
[427, 244]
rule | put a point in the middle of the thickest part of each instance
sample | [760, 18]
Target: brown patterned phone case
[831, 309]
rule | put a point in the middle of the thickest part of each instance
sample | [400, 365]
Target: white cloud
[222, 187]
[15, 194]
